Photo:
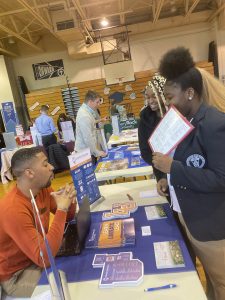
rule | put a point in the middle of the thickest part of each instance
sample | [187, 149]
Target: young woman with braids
[150, 117]
[196, 172]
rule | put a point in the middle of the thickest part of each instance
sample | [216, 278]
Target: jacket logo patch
[196, 161]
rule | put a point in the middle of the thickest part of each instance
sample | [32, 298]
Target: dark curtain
[213, 57]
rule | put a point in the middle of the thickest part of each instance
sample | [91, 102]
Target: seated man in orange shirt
[20, 242]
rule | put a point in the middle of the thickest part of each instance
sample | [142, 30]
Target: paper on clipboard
[170, 131]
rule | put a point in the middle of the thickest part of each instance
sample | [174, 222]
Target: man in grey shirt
[86, 136]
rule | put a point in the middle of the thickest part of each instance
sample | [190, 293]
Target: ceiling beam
[20, 10]
[12, 19]
[108, 15]
[186, 6]
[86, 23]
[194, 4]
[216, 13]
[26, 27]
[82, 14]
[158, 10]
[18, 36]
[40, 19]
[121, 8]
[7, 52]
[96, 3]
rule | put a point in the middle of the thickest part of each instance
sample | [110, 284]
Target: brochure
[110, 234]
[149, 194]
[100, 259]
[120, 210]
[83, 176]
[170, 131]
[135, 161]
[155, 212]
[168, 255]
[67, 131]
[121, 272]
[118, 269]
[109, 165]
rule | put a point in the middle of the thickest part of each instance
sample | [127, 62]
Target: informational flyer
[115, 125]
[171, 130]
[155, 212]
[67, 131]
[168, 255]
[83, 176]
[121, 272]
[9, 116]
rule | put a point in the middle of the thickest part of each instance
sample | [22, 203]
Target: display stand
[71, 100]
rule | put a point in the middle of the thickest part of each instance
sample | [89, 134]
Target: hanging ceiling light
[104, 22]
[11, 40]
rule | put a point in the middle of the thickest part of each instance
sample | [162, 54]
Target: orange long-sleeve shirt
[20, 242]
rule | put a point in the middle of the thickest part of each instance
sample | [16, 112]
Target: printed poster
[9, 116]
[67, 131]
[83, 176]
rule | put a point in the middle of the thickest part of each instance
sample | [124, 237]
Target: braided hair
[157, 85]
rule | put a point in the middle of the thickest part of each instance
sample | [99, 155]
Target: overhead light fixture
[11, 40]
[104, 22]
[173, 9]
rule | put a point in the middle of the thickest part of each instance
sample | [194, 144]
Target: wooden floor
[64, 177]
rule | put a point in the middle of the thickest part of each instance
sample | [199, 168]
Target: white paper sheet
[171, 130]
[149, 194]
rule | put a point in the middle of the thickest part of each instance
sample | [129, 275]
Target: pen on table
[130, 198]
[163, 287]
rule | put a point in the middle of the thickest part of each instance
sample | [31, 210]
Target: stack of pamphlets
[115, 269]
[110, 234]
[120, 210]
[135, 161]
[111, 165]
[168, 255]
[155, 212]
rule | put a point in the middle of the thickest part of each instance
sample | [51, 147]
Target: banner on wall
[48, 69]
[9, 116]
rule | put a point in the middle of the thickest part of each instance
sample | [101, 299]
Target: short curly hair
[22, 159]
[178, 66]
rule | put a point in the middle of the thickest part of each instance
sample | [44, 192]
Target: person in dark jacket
[196, 172]
[150, 117]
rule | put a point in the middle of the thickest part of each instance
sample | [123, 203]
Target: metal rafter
[86, 24]
[18, 36]
[158, 10]
[39, 18]
[97, 3]
[186, 4]
[109, 15]
[4, 51]
[21, 10]
[121, 8]
[82, 14]
[216, 13]
[195, 3]
[26, 27]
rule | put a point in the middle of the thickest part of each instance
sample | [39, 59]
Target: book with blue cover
[110, 234]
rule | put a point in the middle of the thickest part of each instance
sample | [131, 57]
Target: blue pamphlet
[83, 176]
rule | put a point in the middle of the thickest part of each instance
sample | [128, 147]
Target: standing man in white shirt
[86, 136]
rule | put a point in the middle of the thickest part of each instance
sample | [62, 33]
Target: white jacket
[86, 136]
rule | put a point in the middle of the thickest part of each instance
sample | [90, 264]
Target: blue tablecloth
[121, 152]
[79, 268]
